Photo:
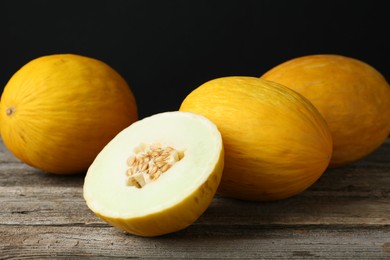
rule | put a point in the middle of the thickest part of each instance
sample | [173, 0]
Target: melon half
[158, 175]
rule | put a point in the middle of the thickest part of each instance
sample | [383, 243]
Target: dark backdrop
[165, 49]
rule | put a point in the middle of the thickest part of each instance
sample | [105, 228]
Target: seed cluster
[148, 164]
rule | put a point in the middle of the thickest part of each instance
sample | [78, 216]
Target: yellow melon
[276, 143]
[157, 176]
[352, 96]
[58, 111]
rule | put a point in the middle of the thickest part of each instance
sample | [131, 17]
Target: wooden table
[346, 214]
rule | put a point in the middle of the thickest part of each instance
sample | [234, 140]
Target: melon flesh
[174, 200]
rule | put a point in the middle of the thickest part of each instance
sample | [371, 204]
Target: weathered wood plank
[353, 199]
[363, 181]
[346, 214]
[213, 242]
[369, 177]
[30, 206]
[350, 195]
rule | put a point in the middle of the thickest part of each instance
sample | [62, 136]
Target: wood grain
[346, 214]
[198, 241]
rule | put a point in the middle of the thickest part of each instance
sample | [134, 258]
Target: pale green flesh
[105, 188]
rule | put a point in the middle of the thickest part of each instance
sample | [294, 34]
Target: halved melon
[158, 175]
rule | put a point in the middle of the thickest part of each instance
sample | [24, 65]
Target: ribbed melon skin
[276, 142]
[65, 109]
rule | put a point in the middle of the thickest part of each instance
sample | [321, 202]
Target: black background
[165, 49]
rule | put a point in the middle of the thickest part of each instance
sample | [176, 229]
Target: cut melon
[124, 188]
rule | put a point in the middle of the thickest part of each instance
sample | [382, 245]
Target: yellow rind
[276, 142]
[352, 96]
[67, 108]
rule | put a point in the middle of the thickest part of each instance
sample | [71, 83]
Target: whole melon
[276, 143]
[352, 96]
[58, 111]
